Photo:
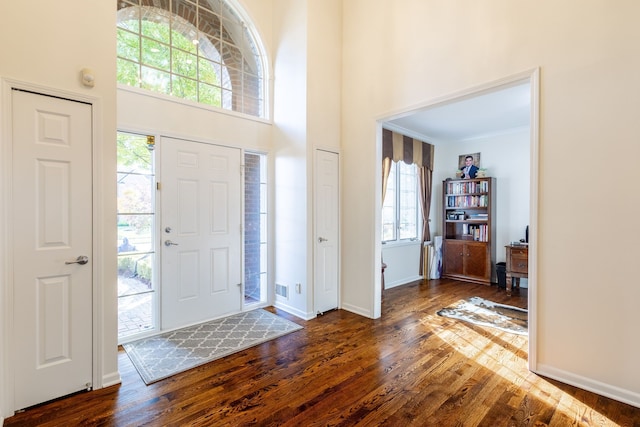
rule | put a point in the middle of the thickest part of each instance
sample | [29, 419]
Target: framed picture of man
[468, 165]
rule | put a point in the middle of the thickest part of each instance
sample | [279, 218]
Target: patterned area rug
[483, 312]
[167, 354]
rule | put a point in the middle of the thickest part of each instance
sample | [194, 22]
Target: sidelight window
[137, 290]
[255, 226]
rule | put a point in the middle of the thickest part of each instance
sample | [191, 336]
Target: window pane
[209, 24]
[134, 155]
[134, 314]
[135, 193]
[184, 88]
[185, 64]
[210, 95]
[184, 37]
[128, 73]
[135, 233]
[135, 274]
[129, 19]
[156, 54]
[156, 80]
[408, 201]
[128, 45]
[209, 71]
[155, 25]
[227, 99]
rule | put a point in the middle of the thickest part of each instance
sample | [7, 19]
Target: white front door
[201, 232]
[52, 227]
[327, 233]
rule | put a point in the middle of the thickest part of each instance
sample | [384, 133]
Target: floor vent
[282, 290]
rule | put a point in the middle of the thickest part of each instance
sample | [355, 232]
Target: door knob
[82, 260]
[169, 243]
[322, 239]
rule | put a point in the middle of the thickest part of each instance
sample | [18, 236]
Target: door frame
[7, 381]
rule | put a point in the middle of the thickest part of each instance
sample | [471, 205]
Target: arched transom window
[199, 50]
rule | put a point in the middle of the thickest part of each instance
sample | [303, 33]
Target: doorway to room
[459, 117]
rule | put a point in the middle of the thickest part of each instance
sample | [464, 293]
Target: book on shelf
[480, 216]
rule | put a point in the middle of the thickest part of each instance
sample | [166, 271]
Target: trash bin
[501, 273]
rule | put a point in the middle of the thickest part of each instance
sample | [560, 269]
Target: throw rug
[169, 353]
[483, 312]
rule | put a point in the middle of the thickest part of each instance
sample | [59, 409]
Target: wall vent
[282, 290]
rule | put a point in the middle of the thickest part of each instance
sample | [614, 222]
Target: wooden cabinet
[468, 229]
[517, 265]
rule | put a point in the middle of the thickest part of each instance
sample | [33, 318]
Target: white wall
[290, 153]
[48, 48]
[430, 49]
[306, 116]
[403, 263]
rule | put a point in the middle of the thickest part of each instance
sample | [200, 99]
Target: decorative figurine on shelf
[469, 170]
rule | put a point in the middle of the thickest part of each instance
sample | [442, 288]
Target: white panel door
[201, 232]
[52, 218]
[327, 232]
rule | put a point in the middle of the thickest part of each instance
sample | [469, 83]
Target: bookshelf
[468, 207]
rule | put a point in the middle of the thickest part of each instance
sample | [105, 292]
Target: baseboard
[111, 379]
[404, 281]
[294, 311]
[589, 384]
[357, 310]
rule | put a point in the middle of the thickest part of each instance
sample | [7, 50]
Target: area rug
[167, 354]
[483, 312]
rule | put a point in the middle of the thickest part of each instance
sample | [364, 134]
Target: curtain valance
[396, 147]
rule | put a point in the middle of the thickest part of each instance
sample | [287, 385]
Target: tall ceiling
[492, 113]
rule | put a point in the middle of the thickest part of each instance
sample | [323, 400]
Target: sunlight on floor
[496, 350]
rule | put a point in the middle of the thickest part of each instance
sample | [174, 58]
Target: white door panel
[327, 233]
[52, 216]
[201, 206]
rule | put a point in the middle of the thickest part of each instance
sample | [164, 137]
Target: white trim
[584, 383]
[6, 220]
[534, 165]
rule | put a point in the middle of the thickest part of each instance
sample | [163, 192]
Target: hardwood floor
[410, 367]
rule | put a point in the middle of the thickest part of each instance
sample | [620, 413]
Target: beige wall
[401, 53]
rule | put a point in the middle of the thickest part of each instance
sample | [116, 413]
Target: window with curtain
[400, 211]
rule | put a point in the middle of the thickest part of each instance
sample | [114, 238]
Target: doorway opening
[460, 118]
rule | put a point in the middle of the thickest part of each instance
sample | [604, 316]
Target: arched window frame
[224, 38]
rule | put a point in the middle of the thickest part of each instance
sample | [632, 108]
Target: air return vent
[282, 290]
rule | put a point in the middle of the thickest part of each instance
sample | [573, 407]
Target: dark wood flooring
[409, 368]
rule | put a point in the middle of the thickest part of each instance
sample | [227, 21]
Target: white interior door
[327, 233]
[52, 224]
[201, 232]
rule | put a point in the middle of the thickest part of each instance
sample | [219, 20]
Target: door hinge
[158, 186]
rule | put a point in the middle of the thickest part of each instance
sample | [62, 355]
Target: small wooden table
[517, 265]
